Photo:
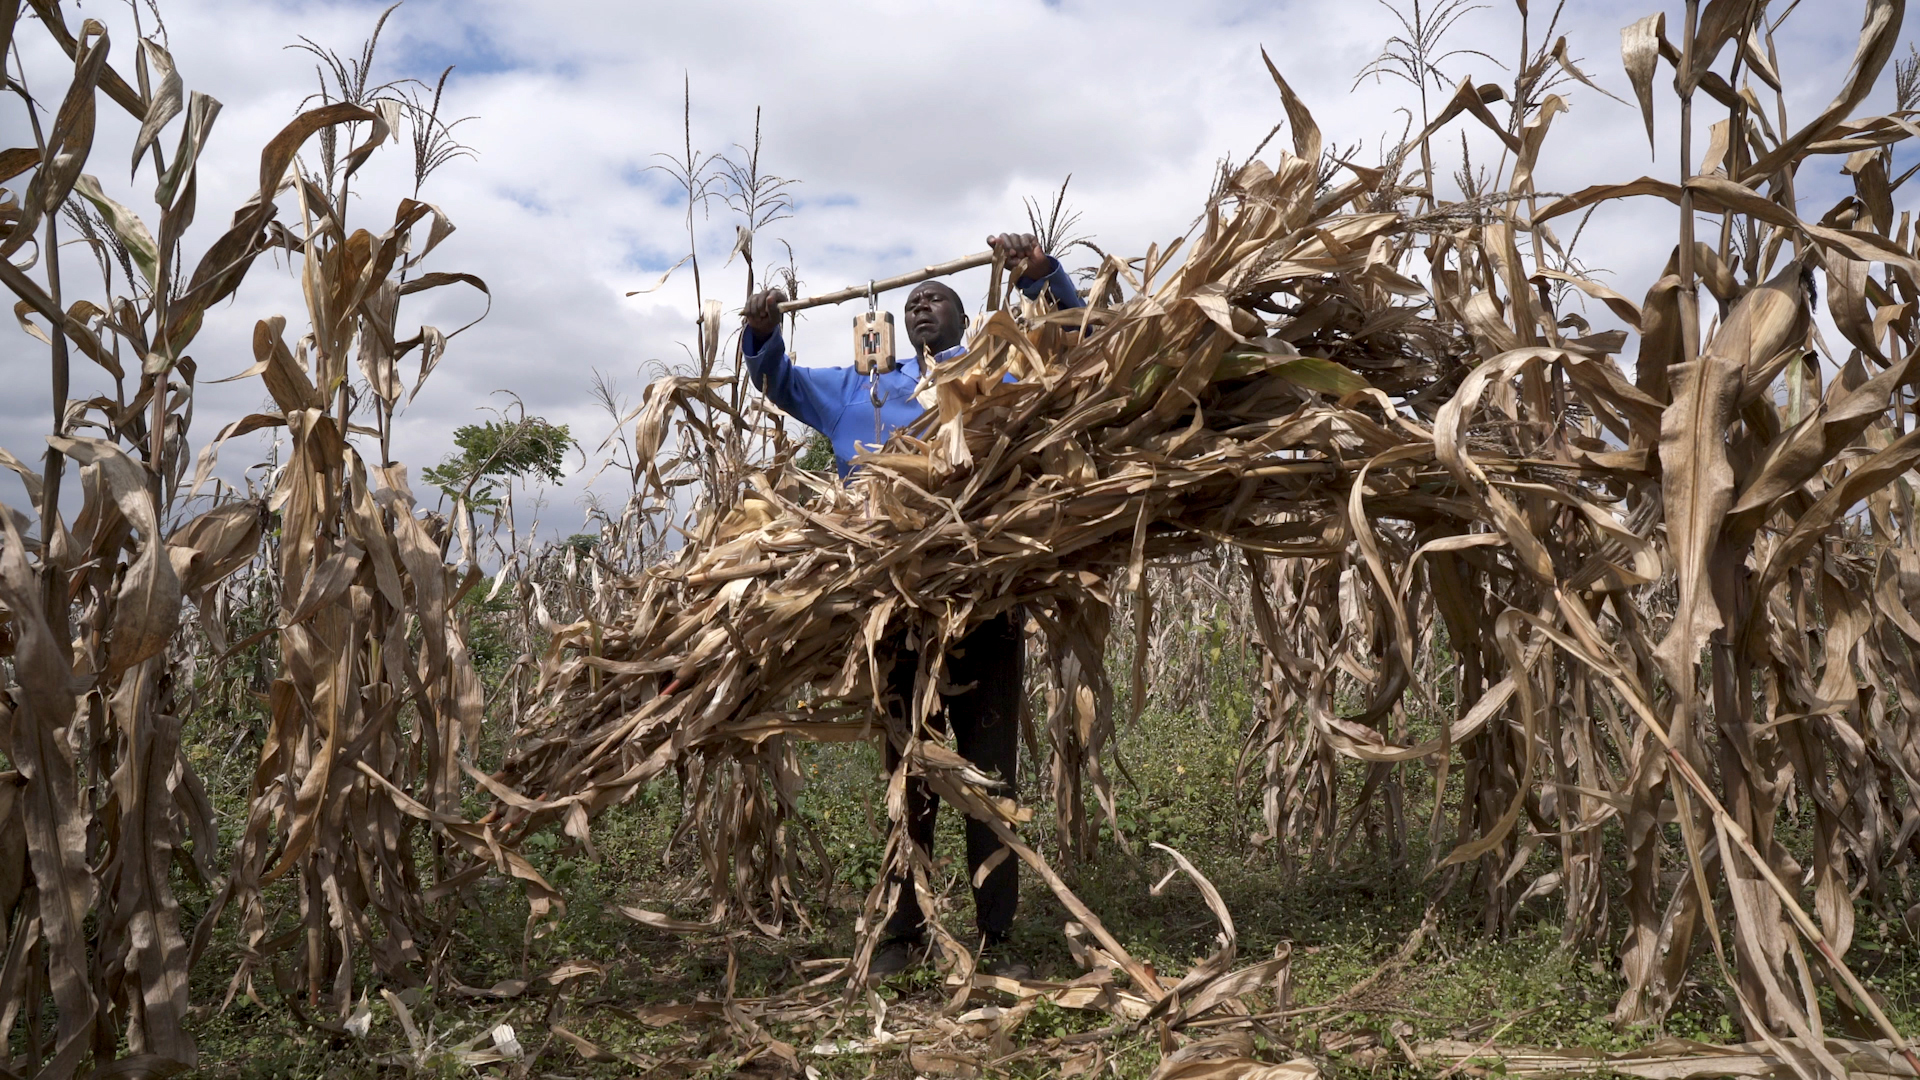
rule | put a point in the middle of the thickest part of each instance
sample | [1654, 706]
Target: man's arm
[1059, 284]
[813, 396]
[1035, 271]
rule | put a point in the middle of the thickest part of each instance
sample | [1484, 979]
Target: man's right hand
[762, 312]
[1026, 256]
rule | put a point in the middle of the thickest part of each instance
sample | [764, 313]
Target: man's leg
[986, 728]
[907, 920]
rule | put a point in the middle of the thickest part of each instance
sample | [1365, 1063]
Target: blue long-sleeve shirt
[835, 401]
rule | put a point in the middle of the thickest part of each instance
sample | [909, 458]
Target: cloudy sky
[914, 129]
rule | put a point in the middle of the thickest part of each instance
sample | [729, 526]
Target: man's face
[934, 319]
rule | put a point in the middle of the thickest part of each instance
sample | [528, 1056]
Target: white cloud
[914, 129]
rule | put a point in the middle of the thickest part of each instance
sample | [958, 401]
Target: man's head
[936, 320]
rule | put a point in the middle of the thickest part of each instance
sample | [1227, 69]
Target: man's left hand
[1025, 255]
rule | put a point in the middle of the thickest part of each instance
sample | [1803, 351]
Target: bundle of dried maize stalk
[1396, 458]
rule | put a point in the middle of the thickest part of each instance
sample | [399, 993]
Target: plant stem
[1689, 285]
[51, 533]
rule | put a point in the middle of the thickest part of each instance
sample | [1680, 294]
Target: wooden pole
[856, 291]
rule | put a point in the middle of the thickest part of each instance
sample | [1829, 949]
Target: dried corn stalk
[368, 725]
[102, 802]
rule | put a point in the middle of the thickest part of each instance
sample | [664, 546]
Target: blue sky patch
[839, 198]
[648, 259]
[468, 48]
[526, 200]
[665, 189]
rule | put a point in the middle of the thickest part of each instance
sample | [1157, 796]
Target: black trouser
[985, 719]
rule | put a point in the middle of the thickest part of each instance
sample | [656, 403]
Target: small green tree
[497, 452]
[818, 456]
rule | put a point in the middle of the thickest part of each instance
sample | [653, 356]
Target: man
[859, 412]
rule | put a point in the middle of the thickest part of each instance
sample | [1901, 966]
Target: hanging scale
[873, 354]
